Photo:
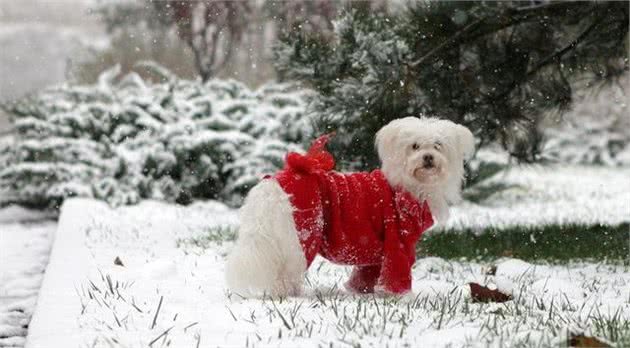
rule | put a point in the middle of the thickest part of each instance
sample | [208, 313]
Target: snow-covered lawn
[152, 274]
[542, 195]
[25, 238]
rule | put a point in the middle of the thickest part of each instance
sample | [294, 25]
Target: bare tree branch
[193, 20]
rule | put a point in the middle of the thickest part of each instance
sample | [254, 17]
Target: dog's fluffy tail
[267, 258]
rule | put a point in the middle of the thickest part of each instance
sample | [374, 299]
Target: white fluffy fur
[268, 258]
[449, 144]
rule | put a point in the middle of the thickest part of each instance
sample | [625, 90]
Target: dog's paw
[384, 291]
[360, 289]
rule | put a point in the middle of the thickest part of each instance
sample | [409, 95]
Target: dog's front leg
[395, 277]
[363, 279]
[398, 258]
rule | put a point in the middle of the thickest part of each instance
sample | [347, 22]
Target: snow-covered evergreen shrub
[595, 131]
[124, 139]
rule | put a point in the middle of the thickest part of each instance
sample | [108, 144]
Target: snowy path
[25, 239]
[152, 274]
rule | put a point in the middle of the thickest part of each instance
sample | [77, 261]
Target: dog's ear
[465, 141]
[386, 138]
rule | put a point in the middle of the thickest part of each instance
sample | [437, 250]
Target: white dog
[371, 221]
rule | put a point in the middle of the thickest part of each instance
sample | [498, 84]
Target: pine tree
[497, 67]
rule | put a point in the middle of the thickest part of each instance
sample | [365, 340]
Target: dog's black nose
[428, 160]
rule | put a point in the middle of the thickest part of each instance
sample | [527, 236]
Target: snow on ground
[541, 195]
[152, 274]
[25, 238]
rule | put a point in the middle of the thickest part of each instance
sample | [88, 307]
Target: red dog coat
[354, 219]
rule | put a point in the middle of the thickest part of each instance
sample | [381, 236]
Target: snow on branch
[124, 139]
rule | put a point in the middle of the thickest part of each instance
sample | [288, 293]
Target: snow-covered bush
[595, 131]
[125, 138]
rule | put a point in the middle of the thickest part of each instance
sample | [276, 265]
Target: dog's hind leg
[267, 258]
[363, 279]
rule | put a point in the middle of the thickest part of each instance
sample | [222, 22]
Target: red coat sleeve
[395, 274]
[402, 231]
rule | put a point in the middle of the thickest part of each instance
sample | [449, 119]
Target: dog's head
[426, 157]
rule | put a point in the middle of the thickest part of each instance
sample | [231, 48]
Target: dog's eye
[415, 146]
[437, 145]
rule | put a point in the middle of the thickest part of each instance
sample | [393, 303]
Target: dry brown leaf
[481, 293]
[582, 341]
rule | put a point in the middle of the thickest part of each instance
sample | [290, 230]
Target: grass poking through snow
[554, 297]
[211, 237]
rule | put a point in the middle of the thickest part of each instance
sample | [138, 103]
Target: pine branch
[450, 41]
[551, 58]
[536, 7]
[517, 16]
[558, 54]
[526, 12]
